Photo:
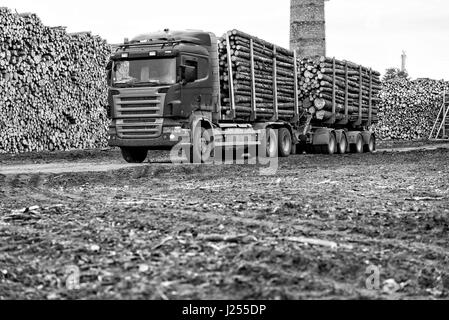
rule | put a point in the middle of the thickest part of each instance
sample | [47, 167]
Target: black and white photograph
[246, 151]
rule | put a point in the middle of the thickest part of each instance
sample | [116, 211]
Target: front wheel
[134, 155]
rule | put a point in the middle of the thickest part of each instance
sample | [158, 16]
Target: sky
[369, 32]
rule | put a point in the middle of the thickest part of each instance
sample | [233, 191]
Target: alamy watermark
[237, 150]
[72, 278]
[374, 281]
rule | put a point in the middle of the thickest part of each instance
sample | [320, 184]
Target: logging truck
[166, 86]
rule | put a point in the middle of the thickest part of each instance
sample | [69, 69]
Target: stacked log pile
[408, 109]
[318, 81]
[324, 81]
[53, 92]
[268, 60]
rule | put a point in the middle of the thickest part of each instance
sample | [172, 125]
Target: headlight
[172, 129]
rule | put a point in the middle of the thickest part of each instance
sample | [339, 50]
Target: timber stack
[343, 88]
[408, 109]
[53, 91]
[253, 58]
[269, 81]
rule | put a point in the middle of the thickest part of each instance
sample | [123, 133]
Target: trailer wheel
[343, 144]
[358, 146]
[285, 143]
[371, 146]
[331, 147]
[134, 155]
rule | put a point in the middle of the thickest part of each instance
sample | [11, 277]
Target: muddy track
[160, 231]
[114, 163]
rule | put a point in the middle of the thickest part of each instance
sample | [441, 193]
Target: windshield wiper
[135, 83]
[153, 83]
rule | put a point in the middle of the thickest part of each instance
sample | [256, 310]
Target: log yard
[195, 165]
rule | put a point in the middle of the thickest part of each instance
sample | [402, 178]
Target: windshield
[145, 72]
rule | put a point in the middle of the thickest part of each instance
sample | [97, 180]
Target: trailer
[191, 89]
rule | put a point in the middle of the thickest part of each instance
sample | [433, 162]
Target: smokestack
[404, 62]
[308, 28]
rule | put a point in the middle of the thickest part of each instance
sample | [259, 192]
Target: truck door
[197, 95]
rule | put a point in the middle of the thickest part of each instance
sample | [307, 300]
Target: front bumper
[166, 141]
[160, 143]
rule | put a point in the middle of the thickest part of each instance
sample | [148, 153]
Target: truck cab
[160, 83]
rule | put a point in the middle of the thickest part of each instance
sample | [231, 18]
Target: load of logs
[53, 92]
[327, 89]
[340, 90]
[268, 62]
[408, 109]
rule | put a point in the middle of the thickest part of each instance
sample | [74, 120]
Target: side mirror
[109, 77]
[188, 74]
[109, 73]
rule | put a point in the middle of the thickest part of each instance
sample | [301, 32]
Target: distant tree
[395, 73]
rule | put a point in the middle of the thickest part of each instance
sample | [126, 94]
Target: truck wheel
[343, 145]
[358, 146]
[201, 150]
[134, 155]
[331, 147]
[285, 143]
[371, 146]
[269, 144]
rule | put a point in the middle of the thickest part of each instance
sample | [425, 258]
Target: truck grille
[139, 128]
[139, 115]
[132, 107]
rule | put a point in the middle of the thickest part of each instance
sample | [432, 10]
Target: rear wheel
[202, 147]
[358, 146]
[371, 146]
[285, 143]
[269, 144]
[343, 144]
[134, 155]
[331, 147]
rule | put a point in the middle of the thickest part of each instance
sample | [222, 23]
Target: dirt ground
[320, 228]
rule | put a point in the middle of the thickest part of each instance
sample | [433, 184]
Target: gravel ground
[314, 230]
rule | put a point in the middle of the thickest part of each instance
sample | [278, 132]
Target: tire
[358, 146]
[269, 145]
[202, 146]
[134, 155]
[371, 146]
[331, 147]
[342, 145]
[285, 143]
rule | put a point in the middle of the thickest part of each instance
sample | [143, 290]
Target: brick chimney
[308, 28]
